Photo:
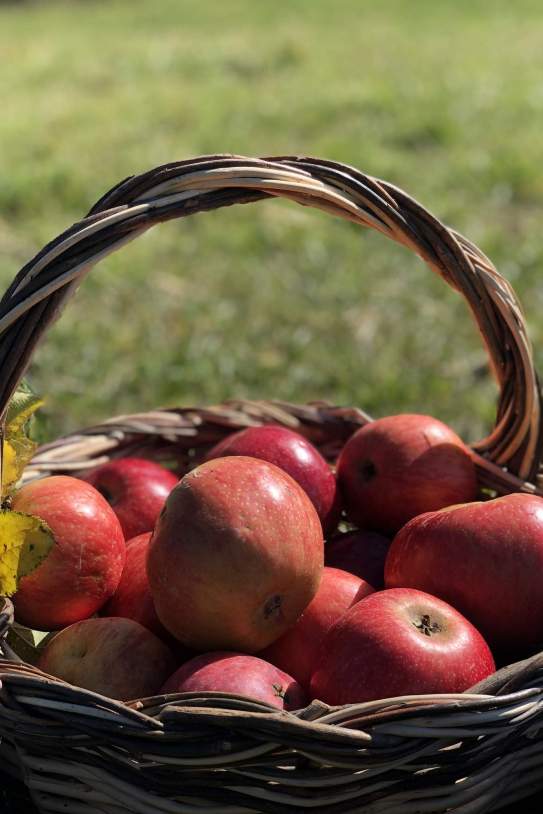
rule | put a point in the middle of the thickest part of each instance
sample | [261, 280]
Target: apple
[399, 642]
[83, 567]
[359, 552]
[400, 466]
[236, 555]
[296, 455]
[239, 674]
[486, 559]
[297, 651]
[112, 656]
[135, 489]
[132, 599]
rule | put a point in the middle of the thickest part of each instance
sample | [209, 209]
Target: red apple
[132, 599]
[239, 674]
[115, 657]
[399, 642]
[236, 555]
[296, 455]
[298, 650]
[84, 566]
[135, 489]
[484, 558]
[359, 552]
[398, 467]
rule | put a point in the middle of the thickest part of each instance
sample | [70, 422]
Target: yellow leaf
[18, 448]
[17, 453]
[25, 541]
[22, 406]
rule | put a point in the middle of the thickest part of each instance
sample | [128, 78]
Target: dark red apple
[296, 455]
[297, 651]
[135, 489]
[400, 466]
[84, 566]
[484, 558]
[362, 553]
[115, 657]
[239, 674]
[399, 642]
[236, 555]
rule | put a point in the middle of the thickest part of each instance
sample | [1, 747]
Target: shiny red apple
[400, 466]
[115, 657]
[296, 455]
[135, 489]
[298, 650]
[484, 558]
[359, 552]
[239, 674]
[399, 642]
[236, 555]
[84, 566]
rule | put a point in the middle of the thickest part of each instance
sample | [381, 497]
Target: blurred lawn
[273, 300]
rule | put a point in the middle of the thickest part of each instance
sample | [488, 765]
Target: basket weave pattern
[82, 753]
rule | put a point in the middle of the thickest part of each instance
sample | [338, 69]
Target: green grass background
[273, 300]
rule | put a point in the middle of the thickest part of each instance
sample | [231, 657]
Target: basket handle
[41, 288]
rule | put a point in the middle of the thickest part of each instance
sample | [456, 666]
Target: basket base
[14, 796]
[15, 799]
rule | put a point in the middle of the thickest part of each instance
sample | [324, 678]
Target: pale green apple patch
[27, 643]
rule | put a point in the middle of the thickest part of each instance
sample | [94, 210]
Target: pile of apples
[268, 573]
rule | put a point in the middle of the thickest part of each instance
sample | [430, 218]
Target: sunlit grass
[272, 300]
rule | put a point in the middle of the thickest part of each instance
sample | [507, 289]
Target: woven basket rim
[43, 286]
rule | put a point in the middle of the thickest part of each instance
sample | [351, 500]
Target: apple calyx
[279, 690]
[427, 626]
[272, 606]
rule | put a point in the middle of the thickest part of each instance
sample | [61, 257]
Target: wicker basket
[81, 753]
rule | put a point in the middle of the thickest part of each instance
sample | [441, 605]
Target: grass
[443, 99]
